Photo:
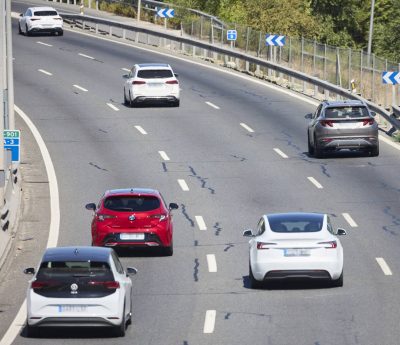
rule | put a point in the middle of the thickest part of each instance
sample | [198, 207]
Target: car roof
[345, 103]
[77, 253]
[42, 8]
[153, 65]
[133, 191]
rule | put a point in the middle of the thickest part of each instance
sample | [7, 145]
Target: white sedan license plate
[131, 236]
[72, 308]
[296, 252]
[155, 84]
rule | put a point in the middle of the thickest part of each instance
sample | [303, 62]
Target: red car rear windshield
[132, 203]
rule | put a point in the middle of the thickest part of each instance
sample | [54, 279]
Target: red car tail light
[112, 285]
[160, 217]
[138, 82]
[326, 123]
[369, 122]
[265, 245]
[329, 244]
[171, 82]
[103, 217]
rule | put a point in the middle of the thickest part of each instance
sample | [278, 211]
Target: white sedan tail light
[265, 245]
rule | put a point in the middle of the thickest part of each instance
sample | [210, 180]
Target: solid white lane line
[163, 155]
[247, 128]
[45, 72]
[86, 56]
[212, 263]
[19, 320]
[280, 153]
[141, 130]
[183, 185]
[44, 44]
[384, 266]
[126, 69]
[112, 106]
[213, 105]
[80, 88]
[209, 321]
[315, 182]
[350, 220]
[200, 223]
[389, 142]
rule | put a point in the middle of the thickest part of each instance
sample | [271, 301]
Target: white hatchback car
[151, 82]
[79, 287]
[295, 245]
[40, 19]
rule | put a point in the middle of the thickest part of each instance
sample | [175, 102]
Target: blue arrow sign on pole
[166, 13]
[274, 40]
[391, 78]
[231, 35]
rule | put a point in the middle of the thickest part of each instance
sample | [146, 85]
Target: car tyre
[129, 321]
[27, 32]
[119, 331]
[125, 100]
[61, 33]
[169, 251]
[31, 331]
[318, 152]
[338, 282]
[131, 102]
[177, 103]
[254, 283]
[19, 29]
[310, 147]
[375, 151]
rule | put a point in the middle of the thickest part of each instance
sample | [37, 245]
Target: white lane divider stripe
[86, 56]
[44, 44]
[80, 88]
[280, 153]
[350, 220]
[212, 263]
[213, 105]
[141, 130]
[183, 185]
[315, 182]
[45, 72]
[247, 128]
[112, 106]
[384, 266]
[200, 223]
[126, 69]
[163, 155]
[209, 321]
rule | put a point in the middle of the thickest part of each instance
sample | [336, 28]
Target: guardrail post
[201, 27]
[302, 61]
[110, 30]
[314, 66]
[259, 46]
[290, 59]
[373, 78]
[97, 28]
[124, 34]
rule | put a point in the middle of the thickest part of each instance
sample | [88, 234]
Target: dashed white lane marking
[141, 130]
[163, 155]
[280, 153]
[209, 321]
[384, 266]
[212, 263]
[80, 88]
[44, 44]
[126, 69]
[213, 105]
[45, 72]
[315, 182]
[86, 56]
[350, 220]
[247, 128]
[200, 223]
[183, 185]
[112, 106]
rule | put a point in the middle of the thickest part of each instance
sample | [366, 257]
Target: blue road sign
[274, 40]
[391, 78]
[231, 35]
[166, 13]
[12, 140]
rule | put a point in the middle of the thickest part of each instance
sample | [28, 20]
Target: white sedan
[295, 245]
[79, 287]
[151, 82]
[40, 19]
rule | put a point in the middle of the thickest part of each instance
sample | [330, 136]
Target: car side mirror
[29, 270]
[373, 113]
[176, 75]
[21, 14]
[91, 206]
[308, 116]
[173, 206]
[248, 233]
[131, 271]
[125, 76]
[341, 232]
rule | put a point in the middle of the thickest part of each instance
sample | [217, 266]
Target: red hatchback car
[133, 218]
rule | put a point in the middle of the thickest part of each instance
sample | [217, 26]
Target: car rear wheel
[125, 99]
[176, 103]
[310, 147]
[31, 331]
[131, 103]
[169, 251]
[28, 33]
[119, 331]
[19, 29]
[318, 152]
[338, 282]
[375, 151]
[254, 283]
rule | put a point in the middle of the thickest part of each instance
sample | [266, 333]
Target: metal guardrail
[231, 53]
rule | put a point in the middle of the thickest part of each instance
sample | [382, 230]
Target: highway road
[240, 147]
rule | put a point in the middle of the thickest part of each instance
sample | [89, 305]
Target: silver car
[337, 125]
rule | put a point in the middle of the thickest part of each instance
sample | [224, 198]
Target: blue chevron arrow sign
[274, 40]
[166, 13]
[391, 78]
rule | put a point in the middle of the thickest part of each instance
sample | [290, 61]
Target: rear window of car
[132, 203]
[154, 73]
[295, 223]
[45, 13]
[346, 112]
